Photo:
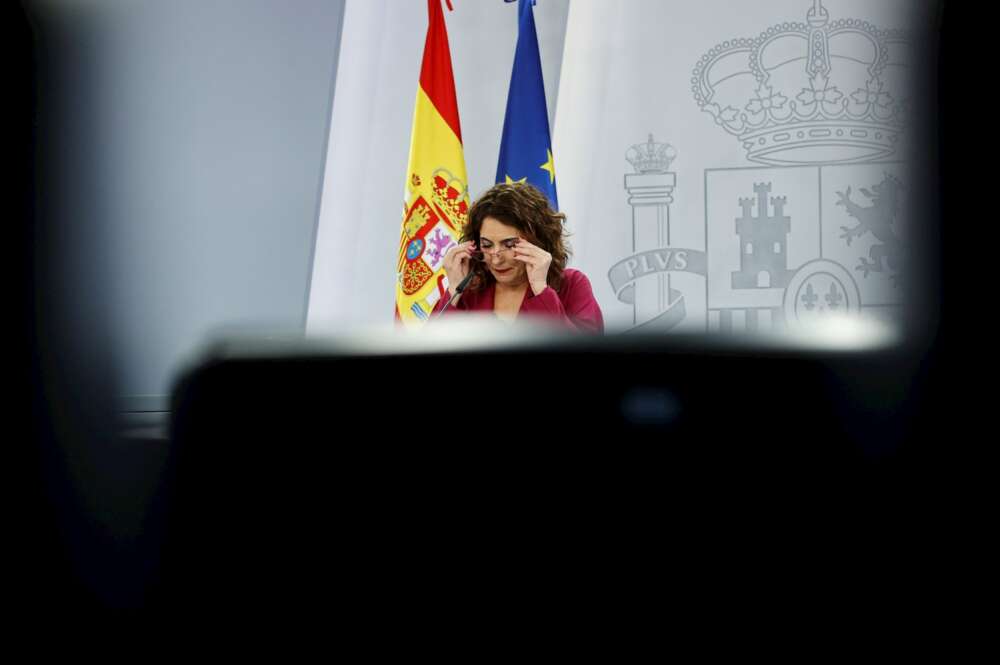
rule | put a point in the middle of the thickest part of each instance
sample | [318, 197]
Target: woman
[514, 245]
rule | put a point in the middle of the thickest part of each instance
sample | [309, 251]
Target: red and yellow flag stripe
[437, 198]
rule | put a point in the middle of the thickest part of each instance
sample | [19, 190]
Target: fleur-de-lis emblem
[834, 297]
[809, 298]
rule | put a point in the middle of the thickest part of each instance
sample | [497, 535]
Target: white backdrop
[628, 72]
[625, 71]
[353, 279]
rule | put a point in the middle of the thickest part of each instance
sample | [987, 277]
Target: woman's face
[496, 241]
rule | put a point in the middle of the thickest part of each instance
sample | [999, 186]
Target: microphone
[458, 291]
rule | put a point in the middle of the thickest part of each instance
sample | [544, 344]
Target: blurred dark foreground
[604, 481]
[294, 472]
[297, 476]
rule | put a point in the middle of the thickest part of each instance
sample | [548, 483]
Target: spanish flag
[436, 193]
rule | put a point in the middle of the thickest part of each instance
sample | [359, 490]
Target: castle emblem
[820, 107]
[763, 237]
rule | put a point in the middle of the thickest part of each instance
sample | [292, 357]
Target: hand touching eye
[537, 262]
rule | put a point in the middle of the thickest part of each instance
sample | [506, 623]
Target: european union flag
[526, 146]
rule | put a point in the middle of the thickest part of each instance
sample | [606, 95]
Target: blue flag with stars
[526, 146]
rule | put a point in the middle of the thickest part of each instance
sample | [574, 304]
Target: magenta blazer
[573, 305]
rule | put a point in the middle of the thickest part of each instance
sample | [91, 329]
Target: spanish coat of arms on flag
[436, 192]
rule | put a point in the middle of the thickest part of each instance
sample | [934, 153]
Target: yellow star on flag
[549, 166]
[509, 181]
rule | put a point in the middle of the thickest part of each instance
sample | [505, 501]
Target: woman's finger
[531, 249]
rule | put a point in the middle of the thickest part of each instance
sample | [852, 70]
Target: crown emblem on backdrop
[805, 93]
[651, 157]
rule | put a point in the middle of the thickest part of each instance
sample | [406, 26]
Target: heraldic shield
[790, 245]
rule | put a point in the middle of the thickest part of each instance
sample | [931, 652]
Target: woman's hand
[537, 261]
[457, 263]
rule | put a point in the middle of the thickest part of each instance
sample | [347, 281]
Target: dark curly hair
[523, 206]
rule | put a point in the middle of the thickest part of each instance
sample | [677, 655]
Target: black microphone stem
[458, 291]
